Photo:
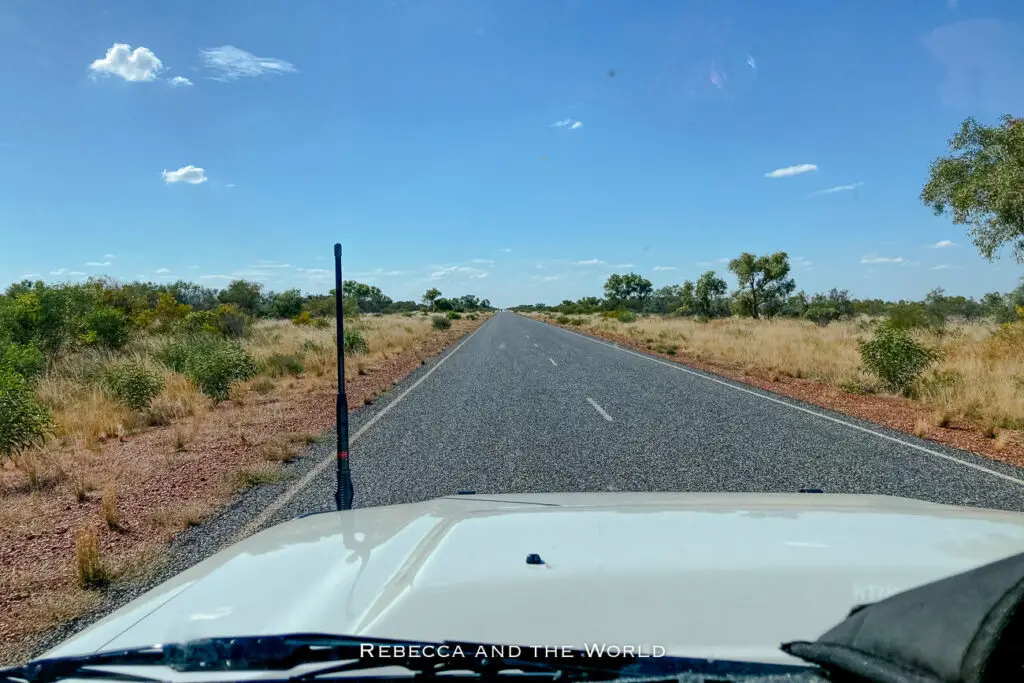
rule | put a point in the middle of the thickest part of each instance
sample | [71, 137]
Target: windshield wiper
[344, 654]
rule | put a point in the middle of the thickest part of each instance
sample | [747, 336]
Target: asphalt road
[521, 406]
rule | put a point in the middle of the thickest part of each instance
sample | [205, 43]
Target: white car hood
[728, 576]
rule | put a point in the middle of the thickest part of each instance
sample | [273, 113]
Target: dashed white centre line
[598, 408]
[553, 362]
[537, 345]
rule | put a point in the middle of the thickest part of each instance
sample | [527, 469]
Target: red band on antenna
[342, 455]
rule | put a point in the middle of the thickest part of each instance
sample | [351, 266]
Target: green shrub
[25, 359]
[471, 316]
[23, 421]
[226, 320]
[355, 342]
[281, 364]
[454, 315]
[108, 327]
[909, 316]
[303, 318]
[895, 358]
[310, 346]
[440, 322]
[575, 322]
[562, 320]
[213, 363]
[627, 316]
[133, 384]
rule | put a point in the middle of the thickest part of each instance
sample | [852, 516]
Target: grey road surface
[520, 406]
[523, 406]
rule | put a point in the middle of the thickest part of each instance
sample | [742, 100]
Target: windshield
[692, 259]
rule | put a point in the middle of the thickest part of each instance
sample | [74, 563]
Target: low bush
[454, 315]
[440, 322]
[627, 316]
[562, 320]
[212, 363]
[108, 327]
[575, 322]
[281, 364]
[355, 342]
[25, 359]
[471, 316]
[132, 384]
[23, 421]
[303, 318]
[895, 358]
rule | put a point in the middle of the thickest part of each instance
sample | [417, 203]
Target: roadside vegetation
[130, 411]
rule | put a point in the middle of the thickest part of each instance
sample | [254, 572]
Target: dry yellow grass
[980, 377]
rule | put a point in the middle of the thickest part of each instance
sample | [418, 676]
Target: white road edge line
[553, 362]
[599, 409]
[866, 430]
[285, 497]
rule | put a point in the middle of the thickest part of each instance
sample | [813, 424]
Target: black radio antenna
[343, 492]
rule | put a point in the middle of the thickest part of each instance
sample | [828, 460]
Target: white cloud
[942, 244]
[270, 264]
[162, 270]
[624, 265]
[27, 276]
[193, 267]
[801, 262]
[840, 188]
[444, 272]
[506, 250]
[945, 266]
[488, 261]
[704, 264]
[791, 170]
[179, 81]
[313, 271]
[77, 273]
[98, 264]
[109, 256]
[230, 185]
[547, 278]
[120, 60]
[186, 174]
[59, 272]
[882, 259]
[664, 267]
[752, 62]
[568, 124]
[231, 63]
[589, 262]
[216, 277]
[722, 260]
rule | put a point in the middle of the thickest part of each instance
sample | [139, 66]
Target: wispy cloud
[882, 259]
[59, 272]
[162, 270]
[270, 264]
[98, 264]
[801, 262]
[791, 170]
[186, 174]
[231, 63]
[945, 266]
[569, 124]
[139, 64]
[664, 267]
[77, 273]
[506, 250]
[840, 188]
[216, 277]
[313, 271]
[476, 273]
[28, 276]
[109, 256]
[751, 62]
[942, 244]
[624, 265]
[179, 81]
[487, 261]
[547, 278]
[589, 262]
[704, 264]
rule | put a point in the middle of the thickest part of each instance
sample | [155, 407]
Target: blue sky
[521, 151]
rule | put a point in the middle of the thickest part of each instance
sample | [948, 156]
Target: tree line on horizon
[765, 289]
